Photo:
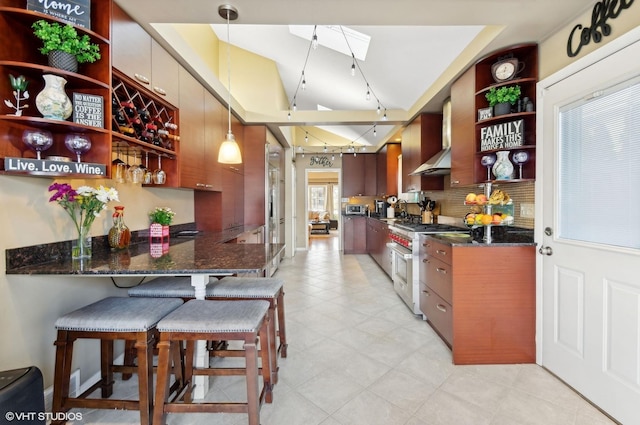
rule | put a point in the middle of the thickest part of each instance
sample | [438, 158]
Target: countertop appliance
[405, 260]
[381, 208]
[355, 209]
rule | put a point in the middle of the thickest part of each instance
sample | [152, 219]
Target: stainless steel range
[405, 266]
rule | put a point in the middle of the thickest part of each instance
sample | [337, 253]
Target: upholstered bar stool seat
[131, 319]
[230, 287]
[244, 321]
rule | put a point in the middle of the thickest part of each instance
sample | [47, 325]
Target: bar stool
[238, 288]
[113, 318]
[244, 321]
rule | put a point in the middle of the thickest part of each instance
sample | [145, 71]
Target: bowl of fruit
[480, 219]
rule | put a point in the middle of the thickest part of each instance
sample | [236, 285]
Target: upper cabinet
[511, 135]
[89, 87]
[387, 169]
[463, 131]
[359, 175]
[141, 58]
[421, 140]
[483, 134]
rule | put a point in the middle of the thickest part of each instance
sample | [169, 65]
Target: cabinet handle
[441, 252]
[159, 90]
[199, 185]
[425, 260]
[455, 182]
[426, 245]
[141, 78]
[208, 185]
[426, 293]
[441, 308]
[441, 270]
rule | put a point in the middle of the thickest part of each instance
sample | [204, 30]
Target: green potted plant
[64, 46]
[501, 99]
[161, 218]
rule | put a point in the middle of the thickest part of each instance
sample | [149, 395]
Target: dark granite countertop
[185, 252]
[501, 236]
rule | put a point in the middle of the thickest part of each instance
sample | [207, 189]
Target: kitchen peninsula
[184, 253]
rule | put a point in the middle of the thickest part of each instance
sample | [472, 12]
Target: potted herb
[64, 46]
[502, 98]
[161, 218]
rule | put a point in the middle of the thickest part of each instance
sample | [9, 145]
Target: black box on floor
[22, 397]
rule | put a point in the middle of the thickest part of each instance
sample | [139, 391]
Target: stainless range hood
[440, 163]
[437, 165]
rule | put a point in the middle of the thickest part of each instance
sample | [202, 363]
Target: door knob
[545, 250]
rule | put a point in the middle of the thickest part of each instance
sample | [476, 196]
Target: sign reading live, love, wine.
[53, 168]
[76, 12]
[502, 136]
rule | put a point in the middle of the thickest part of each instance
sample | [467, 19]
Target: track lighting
[324, 149]
[353, 68]
[304, 81]
[314, 39]
[378, 110]
[306, 137]
[368, 93]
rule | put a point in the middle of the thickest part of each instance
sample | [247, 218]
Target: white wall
[29, 305]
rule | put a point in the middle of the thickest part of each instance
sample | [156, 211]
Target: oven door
[402, 272]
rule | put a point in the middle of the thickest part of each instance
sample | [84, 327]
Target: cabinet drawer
[439, 313]
[438, 278]
[438, 250]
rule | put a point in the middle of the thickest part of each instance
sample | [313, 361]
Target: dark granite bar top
[185, 252]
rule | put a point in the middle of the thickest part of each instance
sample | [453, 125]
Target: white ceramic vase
[52, 102]
[503, 168]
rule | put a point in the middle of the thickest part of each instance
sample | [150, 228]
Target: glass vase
[81, 246]
[503, 168]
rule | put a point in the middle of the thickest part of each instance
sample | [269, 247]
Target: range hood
[437, 165]
[440, 163]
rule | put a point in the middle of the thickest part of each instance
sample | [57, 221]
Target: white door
[589, 236]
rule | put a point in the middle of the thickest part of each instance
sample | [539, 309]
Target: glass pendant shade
[229, 152]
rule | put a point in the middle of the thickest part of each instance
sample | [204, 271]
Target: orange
[486, 219]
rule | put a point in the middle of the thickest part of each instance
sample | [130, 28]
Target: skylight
[332, 37]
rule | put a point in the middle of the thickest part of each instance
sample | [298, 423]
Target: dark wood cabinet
[387, 169]
[359, 175]
[141, 58]
[255, 174]
[480, 300]
[193, 162]
[377, 239]
[527, 80]
[355, 234]
[19, 55]
[421, 140]
[463, 118]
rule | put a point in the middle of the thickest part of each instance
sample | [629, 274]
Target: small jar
[119, 234]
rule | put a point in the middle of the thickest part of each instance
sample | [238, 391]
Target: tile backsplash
[451, 200]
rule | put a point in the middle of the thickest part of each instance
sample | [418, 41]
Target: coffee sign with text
[505, 135]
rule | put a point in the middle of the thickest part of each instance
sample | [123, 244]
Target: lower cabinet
[480, 300]
[377, 238]
[354, 234]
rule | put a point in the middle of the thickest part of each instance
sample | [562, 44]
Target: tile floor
[357, 356]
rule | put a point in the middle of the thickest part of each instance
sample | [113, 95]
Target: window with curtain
[599, 153]
[317, 198]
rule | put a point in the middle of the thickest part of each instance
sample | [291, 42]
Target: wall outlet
[527, 210]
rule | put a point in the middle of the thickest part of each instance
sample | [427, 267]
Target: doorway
[322, 209]
[589, 294]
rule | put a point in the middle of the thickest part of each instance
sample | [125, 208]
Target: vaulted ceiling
[416, 49]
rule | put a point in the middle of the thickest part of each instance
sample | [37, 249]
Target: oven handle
[399, 249]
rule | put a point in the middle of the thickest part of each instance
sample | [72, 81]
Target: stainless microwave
[355, 209]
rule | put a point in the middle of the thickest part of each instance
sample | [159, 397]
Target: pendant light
[229, 152]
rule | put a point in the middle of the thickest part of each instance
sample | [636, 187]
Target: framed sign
[88, 109]
[485, 113]
[502, 136]
[76, 12]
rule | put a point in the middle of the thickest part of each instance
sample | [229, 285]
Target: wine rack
[144, 124]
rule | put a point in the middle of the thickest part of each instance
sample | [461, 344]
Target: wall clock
[506, 69]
